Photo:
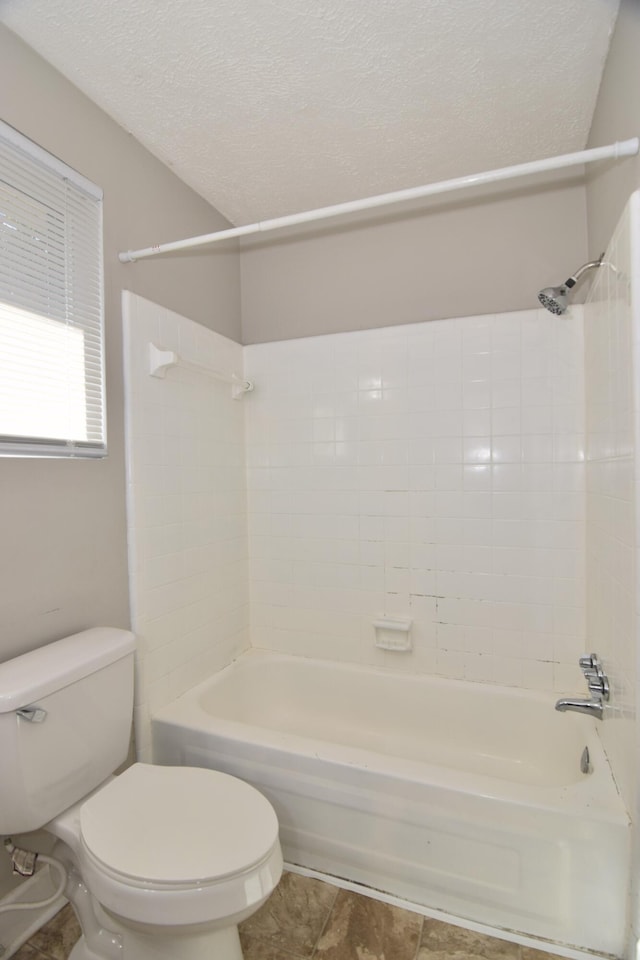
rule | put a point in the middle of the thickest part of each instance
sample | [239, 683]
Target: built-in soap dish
[392, 634]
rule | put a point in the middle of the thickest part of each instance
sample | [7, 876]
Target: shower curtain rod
[625, 148]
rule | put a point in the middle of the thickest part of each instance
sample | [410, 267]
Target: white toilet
[163, 862]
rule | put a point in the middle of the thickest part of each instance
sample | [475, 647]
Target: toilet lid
[177, 825]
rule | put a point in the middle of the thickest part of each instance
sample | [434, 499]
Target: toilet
[162, 862]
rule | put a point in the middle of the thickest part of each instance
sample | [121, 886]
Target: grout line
[325, 924]
[419, 939]
[37, 953]
[362, 896]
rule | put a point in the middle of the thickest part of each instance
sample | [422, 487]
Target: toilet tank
[65, 723]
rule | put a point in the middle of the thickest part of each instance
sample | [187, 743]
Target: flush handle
[32, 714]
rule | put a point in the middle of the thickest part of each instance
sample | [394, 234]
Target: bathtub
[460, 797]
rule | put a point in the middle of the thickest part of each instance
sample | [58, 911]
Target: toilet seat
[198, 840]
[176, 826]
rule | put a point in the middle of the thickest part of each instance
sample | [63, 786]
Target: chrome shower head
[556, 299]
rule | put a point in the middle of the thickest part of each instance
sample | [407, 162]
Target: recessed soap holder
[392, 634]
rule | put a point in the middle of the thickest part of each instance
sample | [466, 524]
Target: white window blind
[51, 306]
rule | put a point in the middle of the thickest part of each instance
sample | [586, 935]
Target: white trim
[31, 448]
[11, 135]
[51, 306]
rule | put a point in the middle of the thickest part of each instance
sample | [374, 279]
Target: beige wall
[616, 117]
[457, 256]
[63, 560]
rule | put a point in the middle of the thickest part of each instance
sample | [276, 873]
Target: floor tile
[57, 938]
[364, 929]
[292, 919]
[307, 919]
[530, 953]
[260, 950]
[443, 941]
[27, 953]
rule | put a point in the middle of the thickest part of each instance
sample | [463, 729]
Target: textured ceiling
[267, 107]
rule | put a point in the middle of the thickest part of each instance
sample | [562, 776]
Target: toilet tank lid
[36, 674]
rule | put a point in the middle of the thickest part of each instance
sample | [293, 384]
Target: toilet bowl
[178, 845]
[176, 853]
[163, 862]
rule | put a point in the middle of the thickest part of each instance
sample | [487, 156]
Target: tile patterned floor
[308, 919]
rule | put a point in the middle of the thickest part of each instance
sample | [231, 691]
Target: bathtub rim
[597, 791]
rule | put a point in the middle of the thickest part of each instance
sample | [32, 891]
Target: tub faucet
[592, 707]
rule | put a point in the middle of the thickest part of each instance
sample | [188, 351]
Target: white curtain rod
[625, 148]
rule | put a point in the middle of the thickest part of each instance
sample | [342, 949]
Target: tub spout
[592, 707]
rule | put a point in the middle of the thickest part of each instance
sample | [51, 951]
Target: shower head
[556, 299]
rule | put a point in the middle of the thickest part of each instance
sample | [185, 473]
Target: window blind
[51, 305]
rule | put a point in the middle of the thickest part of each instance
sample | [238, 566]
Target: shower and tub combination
[462, 797]
[494, 803]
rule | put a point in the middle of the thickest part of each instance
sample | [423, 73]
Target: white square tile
[302, 426]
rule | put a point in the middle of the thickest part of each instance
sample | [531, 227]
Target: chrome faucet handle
[591, 674]
[590, 661]
[600, 686]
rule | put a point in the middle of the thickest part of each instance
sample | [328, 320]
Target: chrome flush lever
[32, 714]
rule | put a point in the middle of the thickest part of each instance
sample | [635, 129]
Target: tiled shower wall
[432, 471]
[186, 506]
[612, 332]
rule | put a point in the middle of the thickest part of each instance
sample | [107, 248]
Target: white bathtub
[461, 797]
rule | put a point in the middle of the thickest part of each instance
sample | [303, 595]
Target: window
[51, 306]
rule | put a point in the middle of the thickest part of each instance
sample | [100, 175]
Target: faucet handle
[593, 676]
[600, 686]
[590, 661]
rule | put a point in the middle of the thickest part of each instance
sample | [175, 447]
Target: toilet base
[81, 952]
[223, 944]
